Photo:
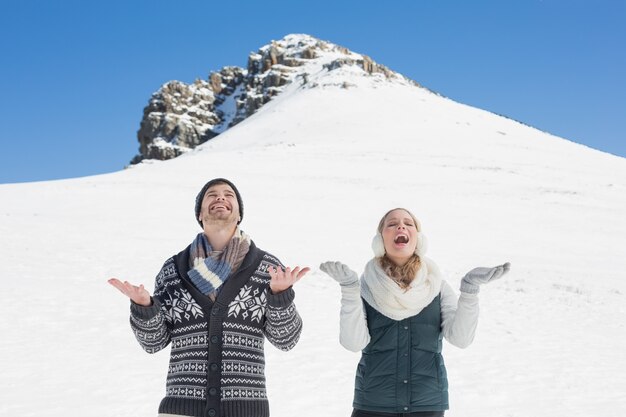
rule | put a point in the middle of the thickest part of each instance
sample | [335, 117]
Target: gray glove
[340, 272]
[472, 281]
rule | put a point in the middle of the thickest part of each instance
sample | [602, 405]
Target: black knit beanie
[212, 183]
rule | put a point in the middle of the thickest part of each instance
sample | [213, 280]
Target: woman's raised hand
[339, 272]
[472, 281]
[138, 294]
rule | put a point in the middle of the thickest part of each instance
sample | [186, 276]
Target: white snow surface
[317, 167]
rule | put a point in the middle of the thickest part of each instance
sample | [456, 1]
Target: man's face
[219, 205]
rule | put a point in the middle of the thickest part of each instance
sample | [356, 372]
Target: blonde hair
[405, 274]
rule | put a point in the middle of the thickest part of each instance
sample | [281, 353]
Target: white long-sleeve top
[459, 317]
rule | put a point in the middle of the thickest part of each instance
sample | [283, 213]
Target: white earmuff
[422, 244]
[378, 246]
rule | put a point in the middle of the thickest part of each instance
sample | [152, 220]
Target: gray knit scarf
[209, 269]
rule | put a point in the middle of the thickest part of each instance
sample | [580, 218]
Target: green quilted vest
[401, 369]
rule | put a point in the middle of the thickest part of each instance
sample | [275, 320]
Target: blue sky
[76, 75]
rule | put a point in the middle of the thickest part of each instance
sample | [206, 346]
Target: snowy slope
[317, 167]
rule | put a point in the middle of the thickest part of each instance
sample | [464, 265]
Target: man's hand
[339, 272]
[285, 278]
[138, 294]
[472, 281]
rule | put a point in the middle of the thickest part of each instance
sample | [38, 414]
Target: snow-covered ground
[317, 167]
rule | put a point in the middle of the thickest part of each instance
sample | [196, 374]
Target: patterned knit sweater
[217, 362]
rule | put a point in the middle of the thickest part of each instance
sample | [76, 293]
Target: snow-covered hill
[317, 167]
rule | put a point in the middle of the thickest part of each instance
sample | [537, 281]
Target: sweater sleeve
[353, 332]
[283, 324]
[149, 324]
[459, 317]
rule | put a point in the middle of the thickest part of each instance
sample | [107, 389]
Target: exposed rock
[178, 114]
[181, 116]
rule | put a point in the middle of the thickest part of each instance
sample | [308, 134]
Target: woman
[397, 315]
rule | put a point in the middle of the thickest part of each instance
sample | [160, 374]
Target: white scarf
[385, 295]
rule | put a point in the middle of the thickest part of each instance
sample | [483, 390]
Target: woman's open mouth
[401, 239]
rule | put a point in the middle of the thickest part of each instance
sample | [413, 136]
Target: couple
[216, 301]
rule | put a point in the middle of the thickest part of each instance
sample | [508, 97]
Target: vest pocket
[442, 377]
[361, 377]
[425, 337]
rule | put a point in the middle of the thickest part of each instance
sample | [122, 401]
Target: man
[214, 302]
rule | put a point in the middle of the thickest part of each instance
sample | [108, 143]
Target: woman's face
[399, 236]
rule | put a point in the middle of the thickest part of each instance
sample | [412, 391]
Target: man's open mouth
[219, 206]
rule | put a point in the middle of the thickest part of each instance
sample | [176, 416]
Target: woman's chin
[399, 257]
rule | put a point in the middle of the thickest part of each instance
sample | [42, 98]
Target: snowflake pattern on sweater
[178, 306]
[250, 302]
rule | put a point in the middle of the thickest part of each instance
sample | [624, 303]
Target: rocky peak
[181, 116]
